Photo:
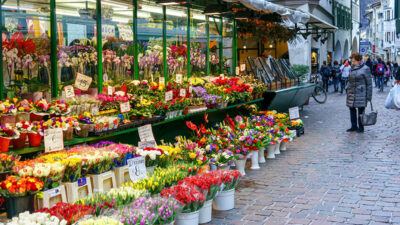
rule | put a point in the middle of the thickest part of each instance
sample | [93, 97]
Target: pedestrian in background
[336, 75]
[345, 71]
[380, 73]
[359, 91]
[374, 74]
[325, 73]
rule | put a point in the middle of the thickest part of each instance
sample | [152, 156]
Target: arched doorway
[346, 50]
[354, 46]
[337, 55]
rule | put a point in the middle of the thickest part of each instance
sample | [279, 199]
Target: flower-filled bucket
[10, 119]
[68, 134]
[205, 214]
[4, 144]
[17, 205]
[225, 200]
[19, 143]
[23, 116]
[187, 218]
[34, 139]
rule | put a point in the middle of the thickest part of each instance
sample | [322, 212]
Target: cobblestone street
[327, 176]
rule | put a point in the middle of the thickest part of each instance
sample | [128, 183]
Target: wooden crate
[122, 175]
[79, 189]
[51, 197]
[103, 182]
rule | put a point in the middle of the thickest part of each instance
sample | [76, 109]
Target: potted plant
[23, 127]
[24, 108]
[8, 111]
[42, 108]
[35, 136]
[7, 132]
[8, 161]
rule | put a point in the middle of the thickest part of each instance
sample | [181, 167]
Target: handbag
[369, 119]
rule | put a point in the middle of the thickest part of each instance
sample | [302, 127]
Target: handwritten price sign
[125, 107]
[137, 168]
[69, 91]
[179, 78]
[82, 81]
[182, 92]
[146, 133]
[53, 140]
[168, 96]
[161, 80]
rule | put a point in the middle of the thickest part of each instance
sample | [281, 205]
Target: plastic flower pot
[277, 147]
[23, 116]
[254, 161]
[67, 134]
[187, 218]
[84, 131]
[4, 144]
[283, 146]
[205, 213]
[271, 151]
[20, 142]
[261, 157]
[224, 201]
[240, 165]
[17, 205]
[34, 139]
[7, 119]
[36, 117]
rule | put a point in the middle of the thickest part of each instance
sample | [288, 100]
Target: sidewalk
[328, 176]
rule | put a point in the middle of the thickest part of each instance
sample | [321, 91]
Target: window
[198, 41]
[215, 29]
[227, 33]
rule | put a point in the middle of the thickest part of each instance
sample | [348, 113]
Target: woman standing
[345, 69]
[359, 91]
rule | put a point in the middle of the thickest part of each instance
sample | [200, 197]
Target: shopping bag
[369, 119]
[395, 92]
[389, 101]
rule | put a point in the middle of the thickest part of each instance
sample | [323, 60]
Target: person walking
[380, 72]
[345, 71]
[374, 74]
[336, 75]
[325, 73]
[359, 92]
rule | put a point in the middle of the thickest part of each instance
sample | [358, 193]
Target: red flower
[206, 117]
[191, 126]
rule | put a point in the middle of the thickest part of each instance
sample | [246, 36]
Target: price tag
[82, 81]
[82, 182]
[294, 113]
[242, 67]
[146, 133]
[161, 80]
[53, 140]
[125, 107]
[54, 192]
[222, 75]
[110, 90]
[168, 96]
[69, 91]
[179, 78]
[237, 70]
[137, 168]
[182, 92]
[94, 111]
[190, 89]
[146, 144]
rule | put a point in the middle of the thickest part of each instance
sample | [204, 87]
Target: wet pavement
[327, 176]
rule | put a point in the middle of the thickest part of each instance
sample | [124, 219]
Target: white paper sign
[53, 140]
[222, 75]
[161, 80]
[125, 32]
[146, 133]
[137, 168]
[82, 81]
[55, 192]
[94, 111]
[69, 91]
[182, 92]
[179, 78]
[242, 67]
[146, 144]
[110, 90]
[190, 89]
[237, 70]
[294, 113]
[168, 96]
[125, 107]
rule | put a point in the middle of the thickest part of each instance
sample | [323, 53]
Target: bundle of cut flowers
[103, 220]
[7, 131]
[50, 174]
[69, 212]
[189, 195]
[7, 107]
[124, 152]
[294, 124]
[152, 155]
[173, 154]
[60, 107]
[8, 161]
[208, 184]
[15, 186]
[230, 178]
[38, 218]
[23, 126]
[24, 106]
[43, 106]
[170, 175]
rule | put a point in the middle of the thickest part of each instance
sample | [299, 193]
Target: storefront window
[228, 41]
[150, 23]
[26, 48]
[214, 26]
[176, 41]
[198, 41]
[76, 39]
[118, 48]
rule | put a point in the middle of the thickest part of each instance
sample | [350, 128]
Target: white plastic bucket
[187, 218]
[205, 213]
[224, 201]
[254, 161]
[283, 146]
[240, 165]
[271, 152]
[261, 157]
[224, 167]
[277, 151]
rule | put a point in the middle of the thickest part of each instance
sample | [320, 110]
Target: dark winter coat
[336, 73]
[359, 88]
[325, 72]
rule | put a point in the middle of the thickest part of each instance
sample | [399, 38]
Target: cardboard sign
[294, 113]
[125, 107]
[69, 91]
[237, 70]
[53, 140]
[110, 90]
[182, 92]
[137, 168]
[161, 80]
[82, 81]
[146, 133]
[168, 96]
[242, 67]
[146, 144]
[179, 78]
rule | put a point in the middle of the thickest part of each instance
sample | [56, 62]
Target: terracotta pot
[4, 144]
[34, 139]
[67, 134]
[23, 116]
[36, 117]
[20, 142]
[7, 119]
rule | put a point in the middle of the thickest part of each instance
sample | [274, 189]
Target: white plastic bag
[395, 92]
[389, 101]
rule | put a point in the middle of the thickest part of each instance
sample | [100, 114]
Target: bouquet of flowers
[69, 212]
[136, 216]
[8, 160]
[38, 218]
[294, 124]
[189, 168]
[188, 195]
[73, 169]
[8, 107]
[173, 153]
[192, 152]
[23, 126]
[152, 155]
[230, 178]
[124, 152]
[50, 174]
[170, 175]
[24, 106]
[7, 131]
[86, 118]
[207, 184]
[100, 161]
[43, 106]
[60, 107]
[39, 127]
[15, 186]
[154, 184]
[222, 157]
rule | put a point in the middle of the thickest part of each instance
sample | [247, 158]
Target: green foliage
[301, 70]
